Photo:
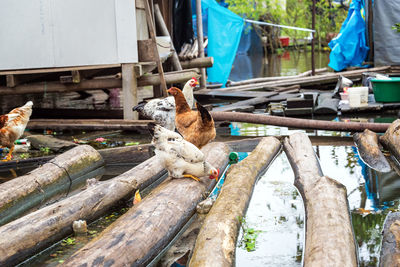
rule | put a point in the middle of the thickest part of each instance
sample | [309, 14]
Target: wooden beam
[75, 77]
[11, 80]
[63, 69]
[203, 62]
[129, 91]
[164, 31]
[152, 32]
[200, 37]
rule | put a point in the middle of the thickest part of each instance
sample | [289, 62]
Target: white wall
[61, 33]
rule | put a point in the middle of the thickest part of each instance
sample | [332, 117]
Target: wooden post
[370, 32]
[216, 242]
[164, 31]
[329, 237]
[152, 31]
[200, 41]
[129, 91]
[312, 41]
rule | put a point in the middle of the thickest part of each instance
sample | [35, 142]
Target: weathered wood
[232, 95]
[199, 24]
[390, 249]
[170, 77]
[129, 91]
[369, 151]
[312, 80]
[216, 242]
[249, 102]
[203, 62]
[329, 234]
[275, 78]
[164, 31]
[58, 175]
[62, 69]
[298, 123]
[137, 236]
[89, 124]
[391, 139]
[54, 144]
[75, 77]
[35, 231]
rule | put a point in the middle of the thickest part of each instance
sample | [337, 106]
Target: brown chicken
[196, 127]
[12, 126]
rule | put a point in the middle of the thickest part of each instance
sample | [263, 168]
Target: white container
[358, 92]
[355, 100]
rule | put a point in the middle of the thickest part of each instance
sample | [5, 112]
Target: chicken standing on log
[178, 156]
[197, 127]
[12, 126]
[163, 110]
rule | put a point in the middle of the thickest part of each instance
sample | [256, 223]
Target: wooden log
[308, 81]
[28, 235]
[23, 193]
[164, 31]
[390, 249]
[391, 139]
[201, 62]
[170, 77]
[54, 144]
[298, 123]
[277, 78]
[138, 235]
[329, 234]
[370, 152]
[216, 242]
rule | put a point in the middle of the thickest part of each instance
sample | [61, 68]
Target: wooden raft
[139, 235]
[329, 234]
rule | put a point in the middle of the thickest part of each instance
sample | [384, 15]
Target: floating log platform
[216, 242]
[28, 235]
[370, 152]
[329, 238]
[59, 175]
[391, 139]
[162, 213]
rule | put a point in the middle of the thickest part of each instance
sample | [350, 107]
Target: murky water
[276, 208]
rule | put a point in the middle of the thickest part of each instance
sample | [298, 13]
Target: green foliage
[248, 240]
[45, 150]
[396, 27]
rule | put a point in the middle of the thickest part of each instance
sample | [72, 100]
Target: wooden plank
[329, 237]
[234, 95]
[243, 103]
[146, 51]
[63, 69]
[11, 80]
[129, 91]
[204, 62]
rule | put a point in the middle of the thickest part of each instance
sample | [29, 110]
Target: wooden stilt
[129, 91]
[200, 41]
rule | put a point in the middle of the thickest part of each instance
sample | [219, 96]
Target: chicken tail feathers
[139, 108]
[205, 115]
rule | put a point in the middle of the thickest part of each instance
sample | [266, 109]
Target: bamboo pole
[200, 37]
[28, 235]
[216, 242]
[26, 192]
[298, 123]
[313, 39]
[164, 31]
[203, 62]
[140, 234]
[152, 32]
[329, 234]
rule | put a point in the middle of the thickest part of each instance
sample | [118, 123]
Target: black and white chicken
[163, 110]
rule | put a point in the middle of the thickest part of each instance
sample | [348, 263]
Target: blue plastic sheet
[224, 32]
[349, 47]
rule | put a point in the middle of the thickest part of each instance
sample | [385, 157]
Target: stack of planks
[191, 51]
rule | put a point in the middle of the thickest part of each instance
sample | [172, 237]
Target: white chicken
[180, 157]
[163, 110]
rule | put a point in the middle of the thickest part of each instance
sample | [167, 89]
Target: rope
[276, 25]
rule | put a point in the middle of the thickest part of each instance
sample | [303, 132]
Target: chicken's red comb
[194, 79]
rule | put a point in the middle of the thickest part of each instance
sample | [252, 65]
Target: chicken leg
[191, 176]
[9, 155]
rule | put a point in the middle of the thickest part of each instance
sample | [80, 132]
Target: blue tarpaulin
[224, 32]
[349, 47]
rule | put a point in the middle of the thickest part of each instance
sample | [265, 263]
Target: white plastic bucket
[358, 92]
